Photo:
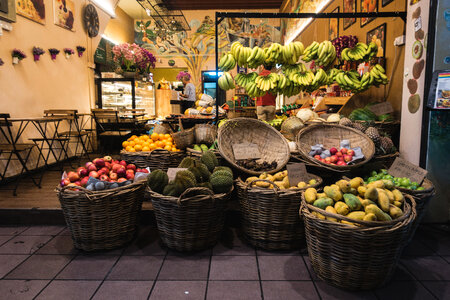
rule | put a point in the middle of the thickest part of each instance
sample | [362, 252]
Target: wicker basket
[192, 222]
[156, 159]
[102, 220]
[162, 129]
[356, 258]
[272, 145]
[317, 134]
[270, 216]
[183, 139]
[205, 134]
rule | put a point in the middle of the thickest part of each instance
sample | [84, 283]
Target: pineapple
[373, 134]
[386, 144]
[346, 122]
[359, 126]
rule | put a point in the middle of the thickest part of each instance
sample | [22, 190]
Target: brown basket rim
[276, 189]
[81, 191]
[199, 197]
[329, 166]
[149, 153]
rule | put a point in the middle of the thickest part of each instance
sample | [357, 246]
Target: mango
[398, 196]
[371, 194]
[301, 185]
[323, 203]
[286, 182]
[370, 217]
[321, 195]
[383, 200]
[349, 223]
[381, 216]
[312, 182]
[344, 185]
[361, 190]
[310, 195]
[352, 201]
[319, 216]
[341, 208]
[331, 209]
[356, 215]
[398, 203]
[395, 212]
[263, 184]
[278, 176]
[280, 184]
[356, 182]
[250, 179]
[263, 175]
[353, 191]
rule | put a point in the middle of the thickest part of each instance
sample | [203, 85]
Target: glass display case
[119, 93]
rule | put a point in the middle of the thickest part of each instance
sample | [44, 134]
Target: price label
[418, 24]
[296, 173]
[403, 168]
[246, 151]
[172, 172]
[381, 108]
[331, 142]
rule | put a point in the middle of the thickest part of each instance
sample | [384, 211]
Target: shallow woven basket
[205, 134]
[198, 154]
[192, 222]
[102, 220]
[183, 139]
[156, 159]
[356, 258]
[317, 134]
[270, 217]
[272, 145]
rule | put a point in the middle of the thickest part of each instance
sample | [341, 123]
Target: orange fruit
[167, 135]
[145, 144]
[138, 148]
[128, 148]
[125, 144]
[132, 137]
[159, 144]
[145, 148]
[145, 137]
[152, 146]
[174, 149]
[169, 143]
[170, 139]
[132, 144]
[132, 150]
[155, 136]
[136, 140]
[168, 148]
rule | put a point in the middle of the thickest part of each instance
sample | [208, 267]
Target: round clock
[90, 19]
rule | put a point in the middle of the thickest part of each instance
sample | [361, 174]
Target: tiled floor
[39, 262]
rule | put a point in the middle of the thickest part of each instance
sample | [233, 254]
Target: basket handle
[205, 191]
[275, 188]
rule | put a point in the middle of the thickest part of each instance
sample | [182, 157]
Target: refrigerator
[436, 114]
[209, 79]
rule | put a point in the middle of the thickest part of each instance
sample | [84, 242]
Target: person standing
[266, 105]
[188, 93]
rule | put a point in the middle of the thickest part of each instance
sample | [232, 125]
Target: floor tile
[233, 268]
[417, 248]
[5, 238]
[233, 290]
[43, 230]
[24, 244]
[66, 231]
[123, 290]
[61, 244]
[11, 230]
[146, 243]
[261, 252]
[9, 262]
[329, 292]
[289, 290]
[21, 289]
[447, 258]
[88, 267]
[206, 252]
[69, 290]
[40, 267]
[411, 290]
[136, 268]
[402, 274]
[428, 268]
[231, 243]
[282, 268]
[165, 290]
[185, 268]
[441, 289]
[311, 269]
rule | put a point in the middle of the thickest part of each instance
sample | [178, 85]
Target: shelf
[336, 100]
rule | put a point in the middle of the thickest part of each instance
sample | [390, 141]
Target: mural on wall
[333, 26]
[349, 7]
[378, 36]
[368, 6]
[31, 9]
[64, 13]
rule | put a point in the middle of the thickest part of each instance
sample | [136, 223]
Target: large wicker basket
[270, 217]
[102, 220]
[156, 159]
[319, 134]
[184, 138]
[356, 258]
[205, 134]
[272, 145]
[192, 222]
[198, 154]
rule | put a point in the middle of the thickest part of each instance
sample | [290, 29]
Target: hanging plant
[37, 52]
[53, 52]
[68, 52]
[1, 62]
[17, 56]
[80, 50]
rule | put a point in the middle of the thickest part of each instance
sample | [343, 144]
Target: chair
[109, 128]
[13, 149]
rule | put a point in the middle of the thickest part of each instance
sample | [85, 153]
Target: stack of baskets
[156, 159]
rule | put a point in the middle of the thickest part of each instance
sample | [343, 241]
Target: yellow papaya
[352, 201]
[376, 184]
[388, 184]
[301, 185]
[370, 217]
[366, 202]
[344, 185]
[250, 179]
[383, 200]
[278, 176]
[395, 212]
[286, 182]
[323, 203]
[321, 195]
[280, 184]
[353, 191]
[390, 196]
[356, 215]
[331, 209]
[371, 194]
[333, 192]
[381, 216]
[398, 196]
[349, 223]
[312, 182]
[319, 216]
[341, 208]
[398, 203]
[356, 182]
[310, 195]
[263, 184]
[361, 190]
[263, 175]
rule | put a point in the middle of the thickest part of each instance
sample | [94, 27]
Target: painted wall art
[378, 36]
[349, 6]
[31, 9]
[368, 6]
[64, 13]
[333, 26]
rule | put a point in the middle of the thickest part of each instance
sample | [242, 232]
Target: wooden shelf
[336, 100]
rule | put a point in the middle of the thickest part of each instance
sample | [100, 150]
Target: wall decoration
[378, 36]
[53, 52]
[80, 50]
[1, 62]
[349, 6]
[37, 52]
[90, 20]
[333, 26]
[64, 13]
[385, 2]
[31, 9]
[68, 52]
[17, 55]
[8, 10]
[368, 6]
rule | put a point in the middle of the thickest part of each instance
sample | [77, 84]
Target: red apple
[102, 172]
[78, 183]
[121, 172]
[65, 182]
[344, 150]
[99, 162]
[333, 158]
[115, 161]
[73, 176]
[84, 181]
[105, 169]
[131, 167]
[83, 173]
[317, 157]
[341, 163]
[116, 167]
[93, 174]
[121, 180]
[350, 152]
[113, 176]
[92, 167]
[340, 158]
[339, 154]
[347, 158]
[328, 160]
[104, 177]
[130, 176]
[333, 151]
[123, 163]
[88, 164]
[144, 170]
[129, 171]
[108, 165]
[107, 158]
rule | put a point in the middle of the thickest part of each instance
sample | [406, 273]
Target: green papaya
[352, 201]
[323, 203]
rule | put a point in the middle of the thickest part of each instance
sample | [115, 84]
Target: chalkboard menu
[103, 54]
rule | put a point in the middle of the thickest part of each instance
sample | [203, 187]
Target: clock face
[90, 20]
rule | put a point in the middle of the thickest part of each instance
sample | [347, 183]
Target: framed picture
[368, 6]
[33, 10]
[378, 36]
[349, 6]
[64, 13]
[333, 26]
[8, 10]
[385, 2]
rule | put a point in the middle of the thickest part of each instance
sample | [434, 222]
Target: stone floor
[39, 262]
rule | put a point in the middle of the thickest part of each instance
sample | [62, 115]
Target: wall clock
[90, 19]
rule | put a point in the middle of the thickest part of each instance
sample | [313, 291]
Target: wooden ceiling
[222, 4]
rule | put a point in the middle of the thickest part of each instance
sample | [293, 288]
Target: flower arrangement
[53, 52]
[68, 52]
[80, 50]
[132, 58]
[37, 52]
[1, 62]
[182, 74]
[17, 56]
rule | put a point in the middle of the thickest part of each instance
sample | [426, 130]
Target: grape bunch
[344, 41]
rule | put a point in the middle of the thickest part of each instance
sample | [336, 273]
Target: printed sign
[403, 168]
[418, 24]
[172, 172]
[246, 151]
[381, 108]
[296, 173]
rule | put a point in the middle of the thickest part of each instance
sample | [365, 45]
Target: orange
[132, 150]
[174, 149]
[145, 144]
[138, 148]
[167, 135]
[125, 144]
[128, 148]
[136, 140]
[146, 148]
[145, 137]
[168, 148]
[170, 139]
[155, 136]
[159, 144]
[132, 144]
[132, 137]
[152, 146]
[169, 143]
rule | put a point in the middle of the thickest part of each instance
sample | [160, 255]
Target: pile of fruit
[199, 173]
[402, 182]
[344, 41]
[360, 52]
[375, 201]
[280, 179]
[365, 114]
[255, 165]
[336, 157]
[204, 147]
[148, 143]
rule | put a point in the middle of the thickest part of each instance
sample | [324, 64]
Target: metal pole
[217, 69]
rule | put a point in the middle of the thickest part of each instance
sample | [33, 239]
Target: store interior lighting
[105, 6]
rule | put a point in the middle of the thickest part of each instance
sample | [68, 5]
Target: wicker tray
[356, 258]
[102, 220]
[317, 134]
[270, 217]
[192, 222]
[272, 145]
[156, 159]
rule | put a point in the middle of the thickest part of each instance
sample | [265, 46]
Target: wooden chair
[109, 128]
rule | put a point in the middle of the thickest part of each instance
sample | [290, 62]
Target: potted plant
[145, 61]
[53, 52]
[17, 56]
[68, 52]
[132, 59]
[37, 52]
[80, 50]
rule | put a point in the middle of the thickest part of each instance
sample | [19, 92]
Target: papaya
[301, 185]
[321, 195]
[398, 203]
[310, 195]
[353, 191]
[383, 200]
[361, 190]
[341, 208]
[356, 182]
[376, 184]
[331, 209]
[388, 184]
[356, 215]
[278, 176]
[349, 223]
[366, 202]
[312, 182]
[381, 216]
[398, 196]
[395, 212]
[333, 192]
[263, 175]
[344, 185]
[323, 203]
[318, 215]
[263, 184]
[390, 196]
[285, 181]
[352, 201]
[280, 184]
[371, 194]
[370, 217]
[250, 179]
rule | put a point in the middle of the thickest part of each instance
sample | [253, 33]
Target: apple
[341, 163]
[328, 160]
[317, 157]
[339, 154]
[340, 158]
[108, 165]
[107, 158]
[65, 182]
[130, 176]
[121, 180]
[73, 176]
[88, 164]
[83, 173]
[333, 151]
[105, 169]
[344, 150]
[104, 177]
[101, 172]
[78, 183]
[350, 152]
[84, 181]
[91, 168]
[115, 161]
[129, 171]
[93, 174]
[121, 172]
[113, 176]
[333, 158]
[131, 167]
[116, 167]
[123, 163]
[72, 184]
[347, 158]
[99, 162]
[144, 170]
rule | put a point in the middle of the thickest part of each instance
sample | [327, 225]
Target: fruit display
[164, 84]
[280, 179]
[354, 199]
[204, 147]
[360, 52]
[226, 81]
[227, 62]
[254, 165]
[147, 143]
[326, 54]
[402, 182]
[344, 41]
[342, 157]
[352, 81]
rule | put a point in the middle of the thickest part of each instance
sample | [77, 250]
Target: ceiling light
[110, 39]
[148, 11]
[105, 6]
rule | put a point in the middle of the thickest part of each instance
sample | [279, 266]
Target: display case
[119, 93]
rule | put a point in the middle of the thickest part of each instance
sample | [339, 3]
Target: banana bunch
[378, 74]
[227, 62]
[253, 90]
[256, 58]
[290, 70]
[240, 53]
[360, 52]
[273, 53]
[311, 52]
[291, 53]
[332, 75]
[266, 83]
[320, 78]
[283, 81]
[291, 89]
[326, 54]
[226, 81]
[349, 81]
[245, 79]
[303, 79]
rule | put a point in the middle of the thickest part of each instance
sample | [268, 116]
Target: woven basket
[272, 145]
[102, 220]
[161, 129]
[317, 134]
[183, 139]
[198, 154]
[156, 159]
[205, 134]
[356, 258]
[192, 222]
[270, 217]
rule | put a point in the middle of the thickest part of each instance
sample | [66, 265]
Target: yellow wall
[121, 29]
[169, 74]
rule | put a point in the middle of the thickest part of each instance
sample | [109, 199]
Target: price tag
[403, 168]
[381, 108]
[296, 173]
[331, 142]
[246, 151]
[172, 172]
[418, 24]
